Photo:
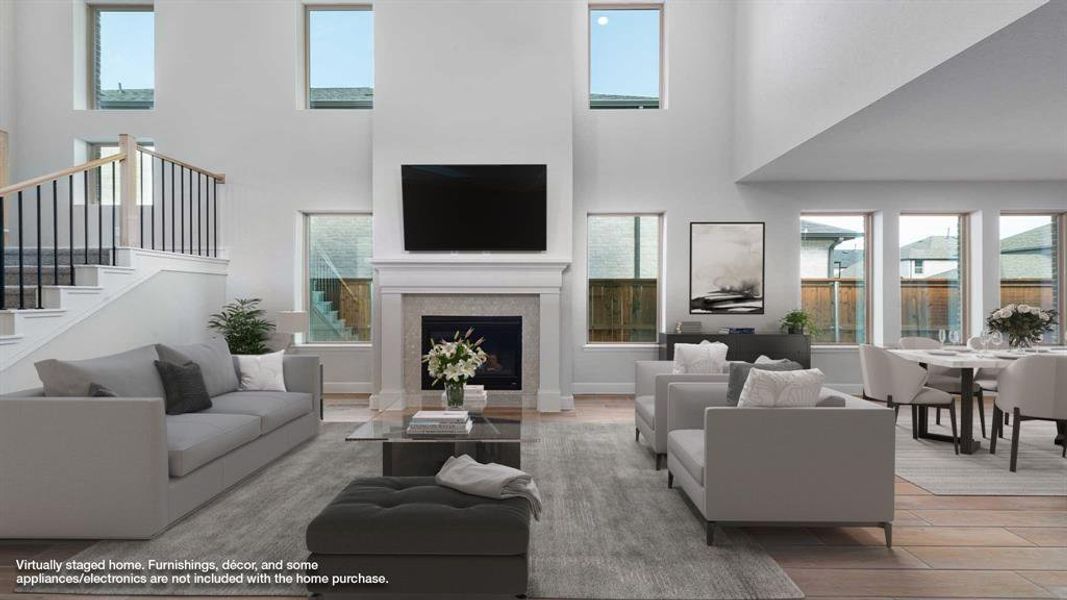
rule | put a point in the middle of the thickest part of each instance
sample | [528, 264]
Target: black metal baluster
[181, 198]
[22, 282]
[70, 224]
[172, 229]
[3, 260]
[215, 215]
[163, 204]
[99, 215]
[140, 197]
[85, 210]
[39, 246]
[55, 232]
[114, 209]
[152, 165]
[199, 216]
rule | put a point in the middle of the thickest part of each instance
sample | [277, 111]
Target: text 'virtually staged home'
[547, 299]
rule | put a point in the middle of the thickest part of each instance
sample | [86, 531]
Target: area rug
[611, 529]
[933, 466]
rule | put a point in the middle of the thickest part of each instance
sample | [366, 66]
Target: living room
[636, 204]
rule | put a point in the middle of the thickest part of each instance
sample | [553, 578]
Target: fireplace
[503, 344]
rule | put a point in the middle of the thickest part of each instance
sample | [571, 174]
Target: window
[833, 276]
[625, 55]
[107, 194]
[123, 57]
[339, 277]
[932, 268]
[1030, 256]
[624, 253]
[340, 57]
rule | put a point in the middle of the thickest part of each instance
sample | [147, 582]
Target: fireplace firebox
[503, 344]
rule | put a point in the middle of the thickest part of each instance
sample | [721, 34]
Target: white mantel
[472, 275]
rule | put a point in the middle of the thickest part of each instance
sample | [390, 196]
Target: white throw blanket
[469, 476]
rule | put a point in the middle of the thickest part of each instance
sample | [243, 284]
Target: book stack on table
[440, 422]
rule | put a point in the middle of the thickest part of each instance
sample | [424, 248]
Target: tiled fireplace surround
[408, 290]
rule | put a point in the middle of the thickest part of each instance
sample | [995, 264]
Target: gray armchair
[825, 465]
[651, 378]
[1031, 388]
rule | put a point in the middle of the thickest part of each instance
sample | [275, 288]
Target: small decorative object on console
[440, 422]
[455, 362]
[1022, 324]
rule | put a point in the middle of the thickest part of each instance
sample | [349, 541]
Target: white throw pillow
[704, 358]
[262, 373]
[782, 388]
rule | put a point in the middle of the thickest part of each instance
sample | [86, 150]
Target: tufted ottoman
[422, 538]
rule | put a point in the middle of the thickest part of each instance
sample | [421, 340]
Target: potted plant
[241, 322]
[455, 362]
[1022, 324]
[798, 321]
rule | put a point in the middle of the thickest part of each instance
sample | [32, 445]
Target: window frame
[868, 274]
[964, 267]
[92, 152]
[660, 286]
[343, 104]
[305, 284]
[661, 102]
[1060, 262]
[94, 10]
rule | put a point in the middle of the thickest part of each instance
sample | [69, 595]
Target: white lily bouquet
[1022, 324]
[455, 362]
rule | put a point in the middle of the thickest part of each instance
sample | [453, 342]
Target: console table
[746, 347]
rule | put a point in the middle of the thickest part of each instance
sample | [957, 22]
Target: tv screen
[474, 207]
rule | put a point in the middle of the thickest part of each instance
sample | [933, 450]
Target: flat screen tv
[474, 207]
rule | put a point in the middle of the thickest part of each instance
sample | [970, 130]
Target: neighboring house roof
[935, 247]
[131, 97]
[1036, 240]
[812, 229]
[1025, 266]
[335, 94]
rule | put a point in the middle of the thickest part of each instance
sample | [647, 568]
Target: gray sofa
[119, 467]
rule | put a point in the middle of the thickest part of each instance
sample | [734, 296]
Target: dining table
[968, 361]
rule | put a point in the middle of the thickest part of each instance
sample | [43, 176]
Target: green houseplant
[799, 321]
[242, 323]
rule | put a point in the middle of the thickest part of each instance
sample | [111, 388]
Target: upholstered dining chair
[896, 381]
[944, 378]
[1033, 388]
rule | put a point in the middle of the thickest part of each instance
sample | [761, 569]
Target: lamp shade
[291, 321]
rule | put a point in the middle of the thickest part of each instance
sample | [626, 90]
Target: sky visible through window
[341, 43]
[624, 52]
[127, 50]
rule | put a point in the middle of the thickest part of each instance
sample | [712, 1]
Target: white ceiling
[996, 111]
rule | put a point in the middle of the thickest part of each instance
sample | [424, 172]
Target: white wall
[7, 65]
[804, 66]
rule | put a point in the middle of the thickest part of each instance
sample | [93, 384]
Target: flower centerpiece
[455, 362]
[1022, 324]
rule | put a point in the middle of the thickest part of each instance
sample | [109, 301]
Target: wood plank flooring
[944, 546]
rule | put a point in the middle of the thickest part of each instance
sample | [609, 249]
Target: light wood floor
[944, 546]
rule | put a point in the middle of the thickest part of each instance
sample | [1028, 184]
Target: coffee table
[495, 436]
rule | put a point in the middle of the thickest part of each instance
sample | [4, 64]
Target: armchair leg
[709, 532]
[937, 416]
[955, 435]
[670, 479]
[888, 528]
[896, 413]
[998, 429]
[981, 410]
[914, 422]
[661, 459]
[1015, 422]
[637, 434]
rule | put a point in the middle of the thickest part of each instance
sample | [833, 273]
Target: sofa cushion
[646, 407]
[195, 439]
[770, 389]
[131, 374]
[214, 359]
[687, 445]
[739, 372]
[415, 516]
[184, 386]
[274, 409]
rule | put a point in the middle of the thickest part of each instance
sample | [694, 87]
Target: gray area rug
[611, 529]
[933, 466]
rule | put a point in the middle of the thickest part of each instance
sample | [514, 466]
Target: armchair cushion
[766, 388]
[703, 358]
[687, 445]
[646, 409]
[739, 374]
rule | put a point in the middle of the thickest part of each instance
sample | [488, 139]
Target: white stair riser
[28, 323]
[72, 298]
[107, 277]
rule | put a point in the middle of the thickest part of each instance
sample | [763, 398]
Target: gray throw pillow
[214, 359]
[739, 375]
[832, 402]
[130, 374]
[100, 391]
[184, 385]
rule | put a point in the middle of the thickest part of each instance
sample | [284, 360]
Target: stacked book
[440, 422]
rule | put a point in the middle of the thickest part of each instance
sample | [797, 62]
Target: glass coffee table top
[497, 419]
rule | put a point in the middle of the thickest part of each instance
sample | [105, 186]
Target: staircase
[326, 324]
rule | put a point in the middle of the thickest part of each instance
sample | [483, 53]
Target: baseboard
[347, 387]
[620, 387]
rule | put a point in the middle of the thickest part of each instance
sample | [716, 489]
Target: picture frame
[727, 267]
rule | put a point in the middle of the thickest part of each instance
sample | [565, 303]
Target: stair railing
[124, 176]
[327, 279]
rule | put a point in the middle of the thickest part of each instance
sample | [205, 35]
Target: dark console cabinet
[746, 347]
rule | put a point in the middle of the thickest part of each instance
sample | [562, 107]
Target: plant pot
[794, 330]
[454, 394]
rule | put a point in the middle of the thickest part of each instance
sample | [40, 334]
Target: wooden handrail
[221, 178]
[29, 183]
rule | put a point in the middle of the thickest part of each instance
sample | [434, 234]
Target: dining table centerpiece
[455, 362]
[1023, 325]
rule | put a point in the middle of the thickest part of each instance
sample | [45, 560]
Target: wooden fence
[622, 310]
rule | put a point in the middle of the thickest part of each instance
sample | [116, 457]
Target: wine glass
[996, 338]
[941, 334]
[954, 337]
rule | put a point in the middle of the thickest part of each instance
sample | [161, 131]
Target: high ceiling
[996, 111]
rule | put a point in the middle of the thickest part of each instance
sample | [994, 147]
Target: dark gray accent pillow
[214, 359]
[129, 374]
[739, 375]
[832, 402]
[101, 391]
[185, 387]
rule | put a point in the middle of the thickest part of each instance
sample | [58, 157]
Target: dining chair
[897, 381]
[944, 378]
[1033, 388]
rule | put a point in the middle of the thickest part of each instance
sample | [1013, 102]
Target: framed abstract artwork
[726, 268]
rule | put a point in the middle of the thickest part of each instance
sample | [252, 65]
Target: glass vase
[454, 393]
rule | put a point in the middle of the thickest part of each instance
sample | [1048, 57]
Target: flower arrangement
[1022, 324]
[454, 362]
